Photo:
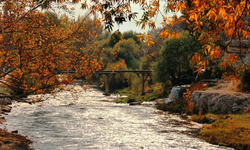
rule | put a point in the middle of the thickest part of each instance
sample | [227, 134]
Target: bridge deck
[121, 71]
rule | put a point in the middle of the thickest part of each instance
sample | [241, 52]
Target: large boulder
[219, 103]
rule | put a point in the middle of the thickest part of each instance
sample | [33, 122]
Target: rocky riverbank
[221, 99]
[222, 103]
[4, 108]
[11, 140]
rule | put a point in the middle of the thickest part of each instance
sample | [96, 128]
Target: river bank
[11, 140]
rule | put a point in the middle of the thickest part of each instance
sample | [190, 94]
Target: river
[86, 120]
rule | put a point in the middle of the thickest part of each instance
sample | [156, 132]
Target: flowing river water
[88, 120]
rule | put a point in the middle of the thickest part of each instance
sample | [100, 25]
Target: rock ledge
[206, 102]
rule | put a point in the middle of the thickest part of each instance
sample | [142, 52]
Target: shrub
[185, 104]
[177, 106]
[244, 75]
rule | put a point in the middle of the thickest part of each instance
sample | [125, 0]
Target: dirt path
[227, 87]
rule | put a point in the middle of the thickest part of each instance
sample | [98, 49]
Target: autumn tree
[207, 20]
[36, 47]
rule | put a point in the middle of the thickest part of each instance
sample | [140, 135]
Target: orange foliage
[187, 95]
[34, 49]
[209, 19]
[205, 19]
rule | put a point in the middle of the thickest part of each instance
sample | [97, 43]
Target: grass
[212, 84]
[5, 90]
[177, 106]
[228, 130]
[220, 86]
[125, 91]
[137, 98]
[151, 95]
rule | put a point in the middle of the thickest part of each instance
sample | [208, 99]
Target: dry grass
[228, 130]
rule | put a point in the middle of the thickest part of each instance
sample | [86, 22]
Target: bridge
[142, 74]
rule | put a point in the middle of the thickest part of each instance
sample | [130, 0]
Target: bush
[183, 104]
[244, 75]
[177, 106]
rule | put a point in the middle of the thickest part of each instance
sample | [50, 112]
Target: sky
[126, 26]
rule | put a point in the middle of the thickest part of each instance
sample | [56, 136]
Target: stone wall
[206, 102]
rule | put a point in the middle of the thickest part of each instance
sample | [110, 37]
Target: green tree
[174, 64]
[115, 38]
[130, 52]
[131, 34]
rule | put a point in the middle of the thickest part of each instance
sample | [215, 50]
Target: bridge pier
[106, 82]
[143, 79]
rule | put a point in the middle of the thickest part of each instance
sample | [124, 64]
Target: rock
[6, 109]
[176, 92]
[135, 103]
[219, 103]
[5, 101]
[168, 100]
[2, 119]
[211, 119]
[148, 103]
[71, 103]
[15, 131]
[160, 101]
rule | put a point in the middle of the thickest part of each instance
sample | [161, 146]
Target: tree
[175, 64]
[36, 47]
[131, 34]
[129, 51]
[27, 52]
[207, 20]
